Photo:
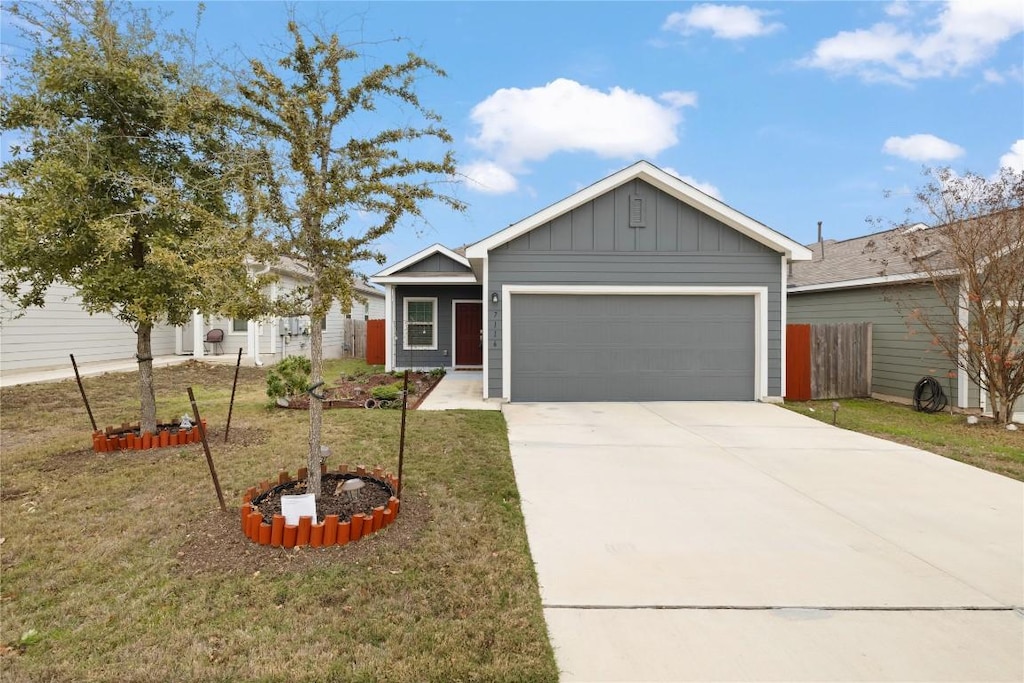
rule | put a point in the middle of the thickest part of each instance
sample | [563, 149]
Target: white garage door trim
[760, 295]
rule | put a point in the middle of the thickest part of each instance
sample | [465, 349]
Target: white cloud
[706, 188]
[993, 76]
[679, 98]
[520, 125]
[488, 177]
[730, 22]
[922, 147]
[899, 8]
[1013, 73]
[963, 34]
[1014, 159]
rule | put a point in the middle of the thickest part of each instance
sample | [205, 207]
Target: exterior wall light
[494, 297]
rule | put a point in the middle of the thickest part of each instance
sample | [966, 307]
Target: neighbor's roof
[286, 264]
[877, 258]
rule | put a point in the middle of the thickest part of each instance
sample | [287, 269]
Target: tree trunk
[316, 407]
[147, 397]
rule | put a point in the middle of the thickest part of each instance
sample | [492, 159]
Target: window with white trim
[239, 325]
[420, 328]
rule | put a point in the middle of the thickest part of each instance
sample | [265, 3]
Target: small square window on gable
[637, 211]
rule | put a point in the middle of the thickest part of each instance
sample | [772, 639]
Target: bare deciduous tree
[974, 260]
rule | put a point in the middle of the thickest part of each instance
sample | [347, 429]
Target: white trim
[460, 279]
[405, 323]
[454, 345]
[486, 296]
[198, 334]
[782, 337]
[274, 322]
[419, 256]
[389, 328]
[871, 281]
[663, 181]
[963, 321]
[760, 295]
[231, 327]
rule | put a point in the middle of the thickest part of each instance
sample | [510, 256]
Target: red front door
[469, 347]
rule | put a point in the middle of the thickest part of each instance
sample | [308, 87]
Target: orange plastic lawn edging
[129, 437]
[331, 531]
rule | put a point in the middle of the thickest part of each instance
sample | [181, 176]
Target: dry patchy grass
[986, 445]
[101, 559]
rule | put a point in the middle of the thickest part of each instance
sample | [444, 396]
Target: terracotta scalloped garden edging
[129, 437]
[331, 531]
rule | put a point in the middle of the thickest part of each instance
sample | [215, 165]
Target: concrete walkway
[459, 390]
[57, 374]
[744, 542]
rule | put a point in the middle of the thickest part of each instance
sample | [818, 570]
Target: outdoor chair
[214, 338]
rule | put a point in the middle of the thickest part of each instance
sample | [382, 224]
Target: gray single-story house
[866, 279]
[638, 287]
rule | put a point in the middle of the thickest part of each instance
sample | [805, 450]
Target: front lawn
[121, 566]
[988, 446]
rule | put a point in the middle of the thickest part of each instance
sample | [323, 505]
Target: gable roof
[296, 268]
[666, 182]
[394, 275]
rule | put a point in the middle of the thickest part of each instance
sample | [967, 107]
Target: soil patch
[331, 501]
[354, 391]
[214, 545]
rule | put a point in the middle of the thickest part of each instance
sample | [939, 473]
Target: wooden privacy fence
[364, 339]
[828, 361]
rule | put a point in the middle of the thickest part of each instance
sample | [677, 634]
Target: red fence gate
[798, 362]
[375, 342]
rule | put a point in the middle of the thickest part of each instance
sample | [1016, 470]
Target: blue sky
[790, 112]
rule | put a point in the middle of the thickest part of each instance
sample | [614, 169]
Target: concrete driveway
[741, 541]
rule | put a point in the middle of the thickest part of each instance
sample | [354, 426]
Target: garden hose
[928, 396]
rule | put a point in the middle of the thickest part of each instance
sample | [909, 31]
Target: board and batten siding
[901, 354]
[43, 337]
[441, 357]
[595, 245]
[435, 263]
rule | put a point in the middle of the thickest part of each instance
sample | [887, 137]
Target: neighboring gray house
[639, 287]
[865, 279]
[43, 337]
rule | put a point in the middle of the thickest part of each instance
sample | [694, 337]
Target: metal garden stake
[206, 447]
[82, 389]
[234, 384]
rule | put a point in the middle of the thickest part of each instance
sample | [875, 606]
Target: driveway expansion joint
[768, 608]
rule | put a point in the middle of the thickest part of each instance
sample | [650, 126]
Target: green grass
[98, 550]
[986, 445]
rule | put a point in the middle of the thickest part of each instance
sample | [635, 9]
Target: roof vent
[637, 212]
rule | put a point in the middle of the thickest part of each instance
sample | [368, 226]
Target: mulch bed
[330, 501]
[353, 391]
[214, 545]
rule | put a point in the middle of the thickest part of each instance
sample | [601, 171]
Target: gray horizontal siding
[43, 337]
[610, 268]
[442, 356]
[435, 263]
[902, 351]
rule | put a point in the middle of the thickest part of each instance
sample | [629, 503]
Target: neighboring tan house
[43, 337]
[638, 287]
[865, 279]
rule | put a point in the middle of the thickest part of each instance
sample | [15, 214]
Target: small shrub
[437, 372]
[387, 392]
[289, 377]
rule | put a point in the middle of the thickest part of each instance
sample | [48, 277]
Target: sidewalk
[57, 374]
[459, 390]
